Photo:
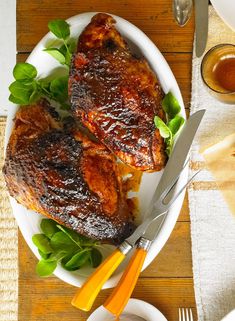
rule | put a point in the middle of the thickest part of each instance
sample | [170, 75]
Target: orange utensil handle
[86, 295]
[118, 299]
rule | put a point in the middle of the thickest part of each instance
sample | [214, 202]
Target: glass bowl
[218, 72]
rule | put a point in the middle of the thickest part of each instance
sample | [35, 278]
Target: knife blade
[201, 22]
[171, 172]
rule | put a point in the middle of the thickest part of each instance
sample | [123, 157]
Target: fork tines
[185, 314]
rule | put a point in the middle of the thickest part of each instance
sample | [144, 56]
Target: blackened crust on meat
[116, 96]
[65, 176]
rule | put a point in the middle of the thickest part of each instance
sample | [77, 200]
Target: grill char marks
[116, 95]
[66, 176]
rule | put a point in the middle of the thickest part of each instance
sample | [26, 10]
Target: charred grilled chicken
[116, 95]
[65, 175]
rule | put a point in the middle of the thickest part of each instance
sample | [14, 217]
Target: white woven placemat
[8, 248]
[212, 224]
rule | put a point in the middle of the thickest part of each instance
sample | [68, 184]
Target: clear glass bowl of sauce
[218, 72]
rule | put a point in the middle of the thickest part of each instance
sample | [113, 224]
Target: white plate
[228, 317]
[137, 307]
[226, 10]
[29, 221]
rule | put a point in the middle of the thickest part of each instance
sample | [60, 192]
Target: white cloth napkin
[7, 50]
[212, 224]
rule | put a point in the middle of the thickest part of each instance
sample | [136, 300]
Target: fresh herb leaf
[43, 255]
[28, 89]
[21, 91]
[49, 227]
[57, 256]
[78, 260]
[67, 258]
[72, 44]
[61, 241]
[59, 28]
[171, 105]
[34, 96]
[175, 124]
[169, 145]
[68, 50]
[45, 268]
[95, 258]
[61, 244]
[62, 53]
[57, 54]
[15, 100]
[73, 236]
[42, 242]
[80, 240]
[24, 71]
[44, 84]
[163, 129]
[65, 50]
[59, 88]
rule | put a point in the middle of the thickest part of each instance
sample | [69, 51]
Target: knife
[85, 296]
[201, 21]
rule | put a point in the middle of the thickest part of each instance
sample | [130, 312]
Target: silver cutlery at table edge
[185, 314]
[201, 25]
[182, 10]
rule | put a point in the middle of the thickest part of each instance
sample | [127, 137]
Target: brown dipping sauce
[224, 73]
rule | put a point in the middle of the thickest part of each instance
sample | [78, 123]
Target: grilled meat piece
[65, 176]
[116, 95]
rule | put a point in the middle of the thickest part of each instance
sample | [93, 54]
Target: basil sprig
[174, 122]
[65, 45]
[60, 244]
[27, 88]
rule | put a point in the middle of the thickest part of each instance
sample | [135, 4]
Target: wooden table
[168, 282]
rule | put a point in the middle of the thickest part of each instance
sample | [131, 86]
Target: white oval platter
[29, 221]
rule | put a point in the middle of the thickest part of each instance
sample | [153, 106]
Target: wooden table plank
[167, 283]
[49, 301]
[175, 259]
[154, 17]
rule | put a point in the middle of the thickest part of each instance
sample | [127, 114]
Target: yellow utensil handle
[118, 299]
[86, 295]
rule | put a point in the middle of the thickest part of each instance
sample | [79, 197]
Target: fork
[185, 314]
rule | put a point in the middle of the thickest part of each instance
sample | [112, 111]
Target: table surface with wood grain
[167, 283]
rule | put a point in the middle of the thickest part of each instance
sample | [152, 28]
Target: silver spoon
[182, 10]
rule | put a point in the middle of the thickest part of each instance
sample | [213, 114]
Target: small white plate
[29, 221]
[136, 307]
[226, 10]
[228, 317]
